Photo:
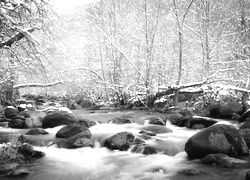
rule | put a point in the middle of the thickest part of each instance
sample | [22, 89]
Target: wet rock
[191, 172]
[206, 122]
[77, 141]
[57, 119]
[156, 129]
[37, 131]
[26, 149]
[175, 118]
[198, 126]
[149, 133]
[156, 121]
[225, 110]
[34, 119]
[10, 112]
[244, 116]
[72, 130]
[119, 120]
[37, 154]
[219, 138]
[85, 122]
[138, 141]
[224, 161]
[16, 123]
[143, 149]
[120, 141]
[19, 173]
[244, 131]
[247, 175]
[6, 168]
[165, 147]
[19, 117]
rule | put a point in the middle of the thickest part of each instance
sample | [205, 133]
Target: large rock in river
[10, 112]
[16, 123]
[157, 129]
[244, 131]
[57, 119]
[77, 141]
[120, 141]
[71, 130]
[219, 138]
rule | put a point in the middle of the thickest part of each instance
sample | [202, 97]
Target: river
[99, 163]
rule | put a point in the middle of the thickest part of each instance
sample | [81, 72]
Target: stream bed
[100, 163]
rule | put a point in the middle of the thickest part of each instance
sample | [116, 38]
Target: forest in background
[122, 46]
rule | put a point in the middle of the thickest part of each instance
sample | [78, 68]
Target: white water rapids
[99, 163]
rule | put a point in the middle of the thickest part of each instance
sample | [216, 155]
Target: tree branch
[36, 85]
[15, 38]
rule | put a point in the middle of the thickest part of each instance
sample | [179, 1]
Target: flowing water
[99, 163]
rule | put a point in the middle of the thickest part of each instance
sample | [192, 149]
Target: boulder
[175, 118]
[16, 123]
[72, 130]
[225, 110]
[6, 168]
[85, 122]
[120, 141]
[57, 119]
[206, 122]
[18, 173]
[149, 133]
[77, 141]
[37, 131]
[10, 112]
[244, 116]
[244, 131]
[119, 120]
[19, 117]
[156, 129]
[26, 149]
[224, 161]
[144, 149]
[191, 172]
[219, 138]
[156, 121]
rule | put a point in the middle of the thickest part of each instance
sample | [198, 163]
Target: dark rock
[77, 141]
[218, 138]
[6, 168]
[175, 118]
[19, 117]
[156, 129]
[120, 141]
[16, 123]
[24, 114]
[244, 116]
[85, 122]
[247, 175]
[26, 149]
[10, 112]
[156, 121]
[57, 119]
[206, 122]
[119, 120]
[198, 126]
[144, 149]
[224, 161]
[225, 110]
[244, 131]
[191, 172]
[37, 154]
[72, 130]
[18, 173]
[149, 133]
[138, 141]
[37, 131]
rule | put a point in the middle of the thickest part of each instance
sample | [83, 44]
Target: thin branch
[36, 85]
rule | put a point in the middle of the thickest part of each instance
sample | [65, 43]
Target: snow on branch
[37, 85]
[15, 38]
